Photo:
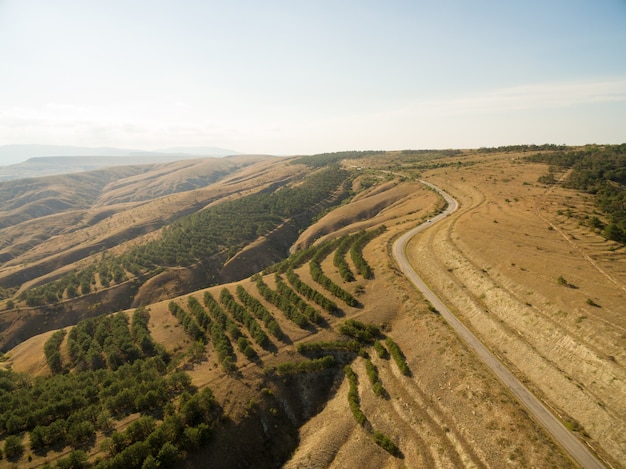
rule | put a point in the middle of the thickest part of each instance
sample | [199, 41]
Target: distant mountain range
[20, 161]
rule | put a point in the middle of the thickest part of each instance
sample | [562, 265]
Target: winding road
[574, 447]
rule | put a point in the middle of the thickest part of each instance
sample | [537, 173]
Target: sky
[302, 77]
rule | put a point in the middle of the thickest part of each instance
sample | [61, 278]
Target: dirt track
[572, 445]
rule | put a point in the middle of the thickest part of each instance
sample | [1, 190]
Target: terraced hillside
[328, 357]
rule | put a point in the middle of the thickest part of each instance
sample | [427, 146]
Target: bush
[13, 447]
[385, 443]
[398, 356]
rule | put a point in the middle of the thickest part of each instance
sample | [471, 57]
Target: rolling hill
[247, 311]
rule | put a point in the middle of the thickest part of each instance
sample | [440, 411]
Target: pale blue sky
[295, 77]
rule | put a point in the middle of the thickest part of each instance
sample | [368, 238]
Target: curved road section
[576, 449]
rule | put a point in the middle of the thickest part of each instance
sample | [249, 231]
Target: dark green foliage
[329, 346]
[398, 356]
[220, 317]
[107, 341]
[259, 311]
[144, 443]
[353, 396]
[306, 309]
[356, 251]
[318, 275]
[220, 324]
[204, 321]
[140, 334]
[385, 443]
[244, 347]
[310, 293]
[281, 302]
[225, 227]
[233, 224]
[223, 347]
[299, 258]
[364, 333]
[381, 350]
[339, 259]
[599, 170]
[304, 366]
[13, 447]
[68, 408]
[189, 324]
[372, 374]
[52, 352]
[77, 459]
[242, 315]
[521, 148]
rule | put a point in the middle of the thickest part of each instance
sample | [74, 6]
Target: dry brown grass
[496, 263]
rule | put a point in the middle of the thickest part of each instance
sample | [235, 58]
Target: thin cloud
[536, 96]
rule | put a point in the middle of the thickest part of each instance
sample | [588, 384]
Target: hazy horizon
[289, 78]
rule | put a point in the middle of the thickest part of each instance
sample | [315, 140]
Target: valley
[270, 283]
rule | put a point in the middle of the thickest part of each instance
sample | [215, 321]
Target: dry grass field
[496, 263]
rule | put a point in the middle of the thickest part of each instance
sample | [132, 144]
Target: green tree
[13, 447]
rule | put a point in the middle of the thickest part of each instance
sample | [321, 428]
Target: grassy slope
[450, 412]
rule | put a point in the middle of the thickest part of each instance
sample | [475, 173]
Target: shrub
[13, 447]
[398, 356]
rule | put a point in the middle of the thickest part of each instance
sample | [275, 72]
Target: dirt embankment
[450, 411]
[498, 264]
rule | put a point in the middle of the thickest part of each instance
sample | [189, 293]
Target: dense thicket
[304, 366]
[109, 341]
[67, 409]
[52, 351]
[599, 170]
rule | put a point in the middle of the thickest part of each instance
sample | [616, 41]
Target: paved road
[576, 449]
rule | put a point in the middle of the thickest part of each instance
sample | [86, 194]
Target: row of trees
[302, 366]
[356, 251]
[224, 228]
[242, 315]
[77, 283]
[260, 311]
[310, 293]
[318, 275]
[190, 325]
[305, 308]
[339, 259]
[281, 302]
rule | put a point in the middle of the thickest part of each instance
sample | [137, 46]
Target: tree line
[601, 171]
